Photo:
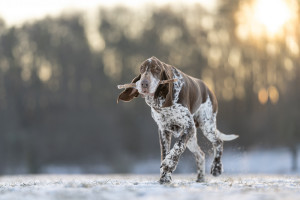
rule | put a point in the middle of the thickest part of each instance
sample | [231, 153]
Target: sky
[16, 12]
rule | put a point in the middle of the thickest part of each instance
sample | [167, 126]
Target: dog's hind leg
[193, 146]
[207, 121]
[209, 129]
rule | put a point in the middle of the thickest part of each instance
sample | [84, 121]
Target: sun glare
[273, 14]
[265, 17]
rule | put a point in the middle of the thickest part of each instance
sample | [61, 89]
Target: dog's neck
[154, 102]
[158, 102]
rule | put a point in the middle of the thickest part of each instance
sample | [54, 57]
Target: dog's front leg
[170, 162]
[165, 142]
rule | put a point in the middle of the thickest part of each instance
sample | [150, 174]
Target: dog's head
[152, 71]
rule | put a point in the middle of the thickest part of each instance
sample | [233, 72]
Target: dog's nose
[145, 84]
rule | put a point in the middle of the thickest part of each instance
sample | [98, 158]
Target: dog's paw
[165, 178]
[216, 169]
[200, 179]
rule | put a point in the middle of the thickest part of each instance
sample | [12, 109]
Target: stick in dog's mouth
[133, 85]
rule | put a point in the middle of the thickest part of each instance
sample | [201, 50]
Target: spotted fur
[177, 121]
[192, 105]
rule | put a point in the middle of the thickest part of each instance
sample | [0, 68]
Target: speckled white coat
[175, 118]
[179, 121]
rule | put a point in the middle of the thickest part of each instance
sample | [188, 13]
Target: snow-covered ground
[98, 187]
[257, 161]
[235, 161]
[257, 174]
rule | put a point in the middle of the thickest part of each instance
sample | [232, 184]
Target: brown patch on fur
[194, 92]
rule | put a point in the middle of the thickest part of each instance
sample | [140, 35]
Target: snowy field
[101, 187]
[257, 161]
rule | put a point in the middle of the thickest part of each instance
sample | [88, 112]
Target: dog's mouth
[146, 93]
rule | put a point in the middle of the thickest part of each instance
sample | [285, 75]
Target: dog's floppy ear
[165, 90]
[129, 93]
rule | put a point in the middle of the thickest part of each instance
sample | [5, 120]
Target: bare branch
[133, 85]
[129, 85]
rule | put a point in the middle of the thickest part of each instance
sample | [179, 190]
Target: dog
[179, 108]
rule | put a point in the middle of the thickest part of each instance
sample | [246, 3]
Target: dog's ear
[165, 90]
[129, 93]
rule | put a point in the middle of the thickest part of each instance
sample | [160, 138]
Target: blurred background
[60, 62]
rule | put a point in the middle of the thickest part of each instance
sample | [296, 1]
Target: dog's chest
[174, 118]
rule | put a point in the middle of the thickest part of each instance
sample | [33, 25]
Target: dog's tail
[224, 137]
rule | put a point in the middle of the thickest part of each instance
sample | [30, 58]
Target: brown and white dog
[179, 108]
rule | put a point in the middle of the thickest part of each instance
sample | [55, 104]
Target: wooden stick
[129, 85]
[168, 81]
[133, 85]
